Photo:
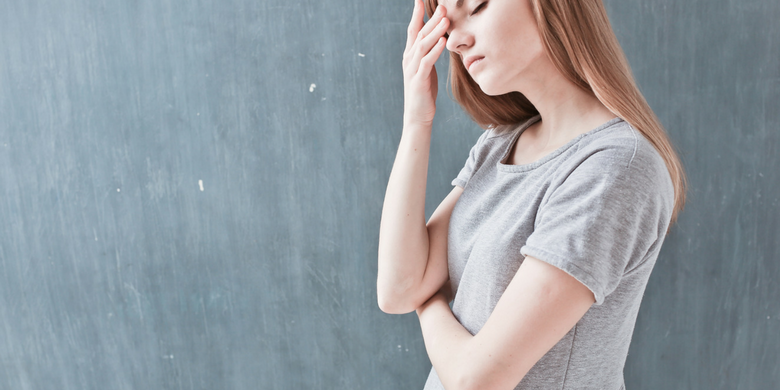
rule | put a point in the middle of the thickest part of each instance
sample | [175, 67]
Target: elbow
[399, 291]
[393, 304]
[391, 307]
[394, 299]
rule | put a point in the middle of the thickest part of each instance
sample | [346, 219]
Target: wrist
[417, 125]
[416, 134]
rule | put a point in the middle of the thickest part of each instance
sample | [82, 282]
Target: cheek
[525, 37]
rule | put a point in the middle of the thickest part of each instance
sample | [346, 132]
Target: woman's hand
[425, 43]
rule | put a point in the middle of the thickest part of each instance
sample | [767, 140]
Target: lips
[470, 60]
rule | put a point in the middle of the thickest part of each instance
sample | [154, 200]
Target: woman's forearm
[403, 235]
[446, 341]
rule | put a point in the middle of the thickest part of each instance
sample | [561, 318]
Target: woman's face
[497, 40]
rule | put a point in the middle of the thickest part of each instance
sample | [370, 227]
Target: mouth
[469, 62]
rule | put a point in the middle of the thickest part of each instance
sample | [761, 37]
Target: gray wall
[711, 314]
[190, 193]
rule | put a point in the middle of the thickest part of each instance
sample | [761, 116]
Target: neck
[566, 109]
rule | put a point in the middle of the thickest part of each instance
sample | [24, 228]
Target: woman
[555, 222]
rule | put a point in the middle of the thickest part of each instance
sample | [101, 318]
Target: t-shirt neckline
[503, 167]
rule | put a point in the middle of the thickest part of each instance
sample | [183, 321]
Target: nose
[459, 40]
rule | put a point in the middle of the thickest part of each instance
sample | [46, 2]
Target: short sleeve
[468, 169]
[603, 217]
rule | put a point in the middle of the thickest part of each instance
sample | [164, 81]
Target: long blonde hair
[579, 40]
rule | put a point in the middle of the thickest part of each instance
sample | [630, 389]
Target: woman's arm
[540, 305]
[412, 256]
[405, 282]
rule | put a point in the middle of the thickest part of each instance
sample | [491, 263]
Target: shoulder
[615, 165]
[621, 151]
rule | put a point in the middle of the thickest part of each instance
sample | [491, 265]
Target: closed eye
[479, 8]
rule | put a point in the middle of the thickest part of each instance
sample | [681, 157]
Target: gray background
[119, 271]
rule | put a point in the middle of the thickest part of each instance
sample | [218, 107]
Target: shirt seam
[568, 361]
[647, 256]
[636, 145]
[524, 168]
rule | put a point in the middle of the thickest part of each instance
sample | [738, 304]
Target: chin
[491, 86]
[493, 89]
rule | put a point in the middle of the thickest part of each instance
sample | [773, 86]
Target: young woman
[549, 236]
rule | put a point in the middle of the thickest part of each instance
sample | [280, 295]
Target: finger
[416, 24]
[427, 43]
[427, 62]
[433, 22]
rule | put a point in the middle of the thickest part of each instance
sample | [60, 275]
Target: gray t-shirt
[598, 208]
